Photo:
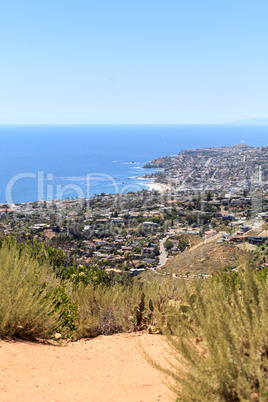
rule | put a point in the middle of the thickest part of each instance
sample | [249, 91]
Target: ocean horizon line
[233, 123]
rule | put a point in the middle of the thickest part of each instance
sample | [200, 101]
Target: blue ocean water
[53, 162]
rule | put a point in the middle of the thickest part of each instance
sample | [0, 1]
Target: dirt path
[210, 240]
[102, 369]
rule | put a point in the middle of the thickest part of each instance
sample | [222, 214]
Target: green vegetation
[168, 244]
[40, 296]
[27, 295]
[217, 327]
[219, 338]
[139, 306]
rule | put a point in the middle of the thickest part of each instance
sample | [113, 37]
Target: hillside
[205, 257]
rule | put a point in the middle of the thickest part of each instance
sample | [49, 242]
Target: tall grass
[27, 305]
[107, 310]
[217, 328]
[35, 303]
[220, 339]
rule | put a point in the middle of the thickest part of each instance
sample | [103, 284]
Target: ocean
[51, 162]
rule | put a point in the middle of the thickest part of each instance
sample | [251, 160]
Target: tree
[209, 196]
[182, 245]
[191, 218]
[189, 206]
[209, 208]
[168, 244]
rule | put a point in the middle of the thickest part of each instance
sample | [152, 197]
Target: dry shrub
[108, 324]
[107, 310]
[220, 339]
[27, 307]
[96, 314]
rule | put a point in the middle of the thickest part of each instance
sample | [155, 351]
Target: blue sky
[126, 61]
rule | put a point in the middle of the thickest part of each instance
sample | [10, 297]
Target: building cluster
[229, 169]
[214, 193]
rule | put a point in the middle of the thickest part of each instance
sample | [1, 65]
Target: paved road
[163, 253]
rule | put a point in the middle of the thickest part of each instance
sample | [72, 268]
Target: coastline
[102, 152]
[153, 186]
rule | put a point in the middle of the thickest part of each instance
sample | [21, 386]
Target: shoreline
[149, 186]
[153, 186]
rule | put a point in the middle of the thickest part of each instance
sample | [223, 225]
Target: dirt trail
[210, 240]
[102, 369]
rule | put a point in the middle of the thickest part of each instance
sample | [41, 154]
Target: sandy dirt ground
[109, 368]
[246, 246]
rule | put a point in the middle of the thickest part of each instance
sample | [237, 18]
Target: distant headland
[226, 169]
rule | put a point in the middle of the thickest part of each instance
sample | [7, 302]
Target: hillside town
[217, 193]
[227, 169]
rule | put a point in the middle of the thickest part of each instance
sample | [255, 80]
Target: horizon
[124, 64]
[247, 122]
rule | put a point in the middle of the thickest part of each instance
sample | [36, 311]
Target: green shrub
[168, 244]
[220, 339]
[67, 309]
[107, 310]
[97, 313]
[27, 303]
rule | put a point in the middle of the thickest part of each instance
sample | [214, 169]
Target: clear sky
[133, 61]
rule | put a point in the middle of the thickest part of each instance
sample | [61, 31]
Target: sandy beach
[156, 187]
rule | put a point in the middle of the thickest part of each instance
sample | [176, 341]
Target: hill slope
[205, 257]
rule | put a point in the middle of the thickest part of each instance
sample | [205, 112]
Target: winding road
[163, 253]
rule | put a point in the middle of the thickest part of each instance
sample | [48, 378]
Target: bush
[27, 304]
[220, 339]
[168, 244]
[106, 310]
[100, 311]
[37, 299]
